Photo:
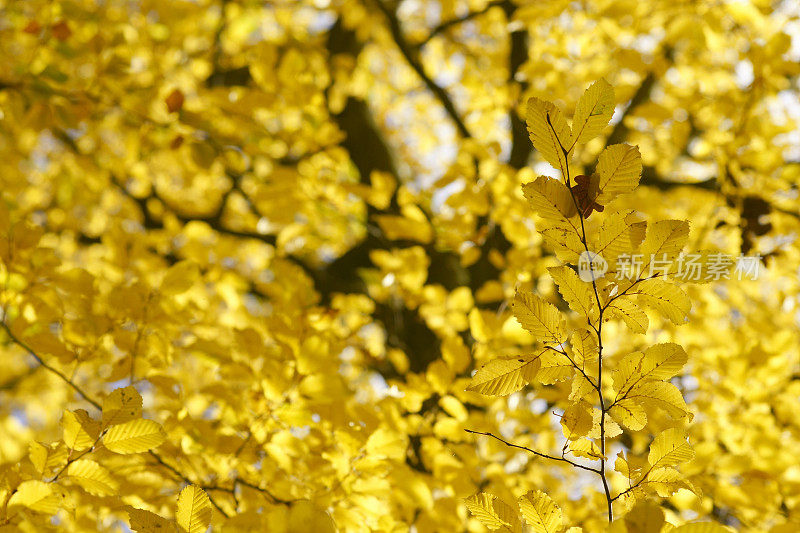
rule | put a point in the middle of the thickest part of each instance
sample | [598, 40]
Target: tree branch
[642, 94]
[456, 21]
[407, 50]
[517, 56]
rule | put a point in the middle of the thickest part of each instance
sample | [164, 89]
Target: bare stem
[599, 331]
[534, 452]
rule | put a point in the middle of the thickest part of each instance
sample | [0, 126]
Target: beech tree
[377, 265]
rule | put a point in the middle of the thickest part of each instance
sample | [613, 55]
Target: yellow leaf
[412, 226]
[134, 436]
[540, 318]
[619, 167]
[550, 198]
[645, 517]
[666, 298]
[504, 376]
[663, 361]
[619, 234]
[564, 240]
[627, 373]
[179, 278]
[577, 293]
[143, 521]
[37, 496]
[665, 481]
[555, 367]
[629, 413]
[540, 512]
[581, 387]
[385, 442]
[584, 347]
[630, 313]
[194, 510]
[585, 448]
[37, 453]
[383, 185]
[593, 112]
[121, 405]
[92, 477]
[493, 513]
[658, 362]
[664, 241]
[577, 420]
[80, 430]
[610, 428]
[670, 448]
[662, 394]
[305, 516]
[621, 465]
[549, 132]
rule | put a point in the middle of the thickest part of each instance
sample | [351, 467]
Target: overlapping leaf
[577, 293]
[494, 513]
[549, 131]
[619, 167]
[540, 512]
[594, 110]
[670, 448]
[540, 318]
[504, 376]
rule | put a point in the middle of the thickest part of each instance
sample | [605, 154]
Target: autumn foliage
[377, 265]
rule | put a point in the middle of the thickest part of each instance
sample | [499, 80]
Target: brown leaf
[174, 101]
[33, 27]
[585, 191]
[60, 30]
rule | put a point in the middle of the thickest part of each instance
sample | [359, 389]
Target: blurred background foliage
[295, 227]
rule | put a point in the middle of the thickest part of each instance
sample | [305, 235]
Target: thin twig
[540, 454]
[579, 369]
[41, 362]
[186, 480]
